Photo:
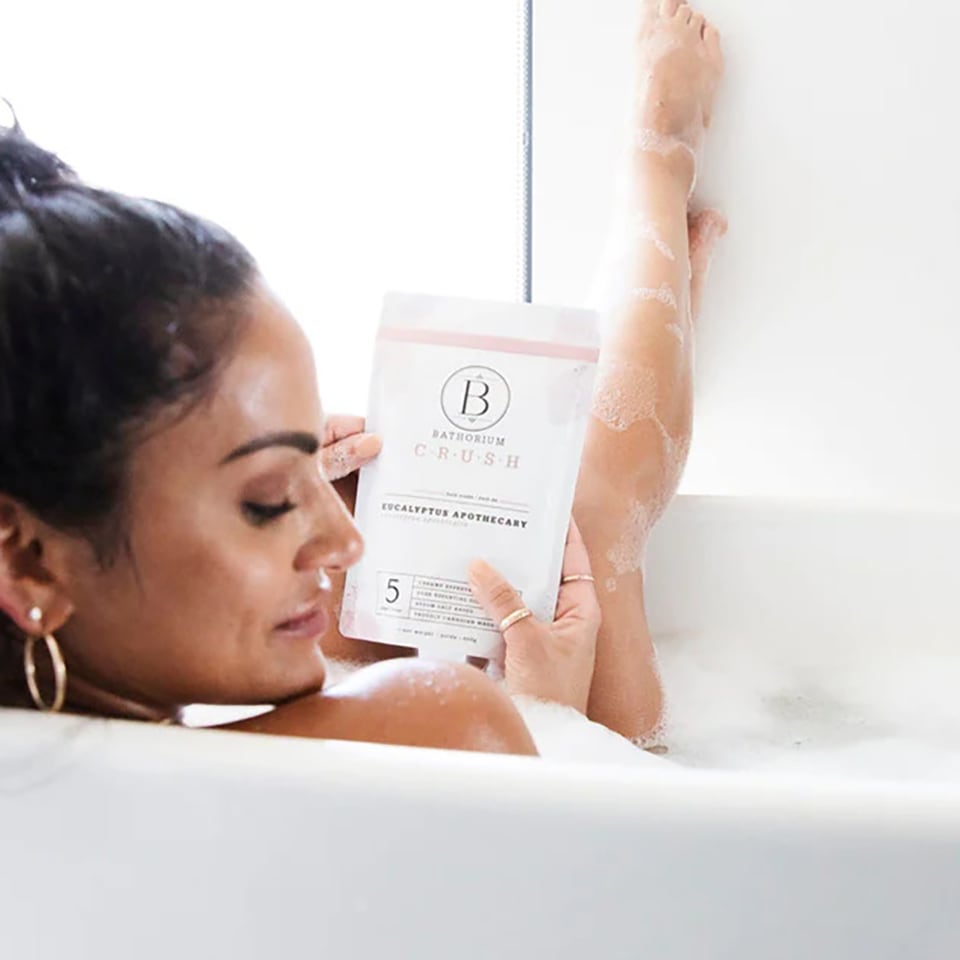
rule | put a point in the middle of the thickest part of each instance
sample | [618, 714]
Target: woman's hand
[549, 661]
[346, 447]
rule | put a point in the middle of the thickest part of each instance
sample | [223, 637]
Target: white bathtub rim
[44, 752]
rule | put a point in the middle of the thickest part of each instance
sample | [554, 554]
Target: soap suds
[663, 294]
[340, 461]
[645, 230]
[626, 554]
[649, 141]
[624, 393]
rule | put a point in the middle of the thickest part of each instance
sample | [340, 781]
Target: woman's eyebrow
[307, 442]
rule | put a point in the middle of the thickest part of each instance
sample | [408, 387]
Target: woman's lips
[312, 623]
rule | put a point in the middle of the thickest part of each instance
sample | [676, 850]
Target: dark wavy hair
[113, 311]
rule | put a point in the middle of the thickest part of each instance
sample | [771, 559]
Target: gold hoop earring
[59, 673]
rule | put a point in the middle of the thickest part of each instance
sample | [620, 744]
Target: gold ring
[578, 576]
[514, 617]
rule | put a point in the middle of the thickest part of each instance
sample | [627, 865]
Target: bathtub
[787, 821]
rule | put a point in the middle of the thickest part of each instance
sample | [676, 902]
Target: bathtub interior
[795, 638]
[803, 637]
[806, 637]
[809, 637]
[122, 838]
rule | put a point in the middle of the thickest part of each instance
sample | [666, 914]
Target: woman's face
[221, 596]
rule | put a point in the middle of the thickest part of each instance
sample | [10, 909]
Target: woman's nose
[351, 551]
[336, 543]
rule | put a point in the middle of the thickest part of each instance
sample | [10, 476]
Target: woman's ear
[26, 582]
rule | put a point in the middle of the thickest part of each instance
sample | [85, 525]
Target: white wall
[829, 342]
[354, 148]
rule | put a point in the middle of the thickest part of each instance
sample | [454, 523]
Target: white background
[828, 349]
[357, 149]
[353, 148]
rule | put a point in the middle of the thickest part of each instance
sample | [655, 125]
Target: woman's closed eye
[261, 513]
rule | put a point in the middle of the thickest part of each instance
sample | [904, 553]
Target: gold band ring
[514, 617]
[577, 576]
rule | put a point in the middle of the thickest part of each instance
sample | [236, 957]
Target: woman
[168, 531]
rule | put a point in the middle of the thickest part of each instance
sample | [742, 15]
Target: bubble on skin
[678, 453]
[647, 231]
[675, 451]
[654, 739]
[624, 393]
[656, 43]
[683, 327]
[649, 141]
[615, 261]
[626, 554]
[340, 461]
[663, 294]
[646, 140]
[610, 585]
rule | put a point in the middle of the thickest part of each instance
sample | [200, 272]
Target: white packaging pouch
[482, 407]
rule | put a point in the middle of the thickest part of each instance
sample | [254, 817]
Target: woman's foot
[679, 65]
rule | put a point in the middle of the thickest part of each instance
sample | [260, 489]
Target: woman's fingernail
[368, 446]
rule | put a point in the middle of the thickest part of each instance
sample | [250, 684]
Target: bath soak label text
[482, 436]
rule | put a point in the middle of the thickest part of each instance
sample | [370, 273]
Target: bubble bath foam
[483, 408]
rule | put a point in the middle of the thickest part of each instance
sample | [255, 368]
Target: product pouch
[482, 407]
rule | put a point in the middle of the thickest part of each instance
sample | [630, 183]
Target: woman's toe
[711, 37]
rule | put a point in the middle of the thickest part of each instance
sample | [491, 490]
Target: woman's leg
[639, 434]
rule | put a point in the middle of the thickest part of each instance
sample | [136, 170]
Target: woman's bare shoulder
[412, 702]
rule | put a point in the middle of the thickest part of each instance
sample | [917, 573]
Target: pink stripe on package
[479, 341]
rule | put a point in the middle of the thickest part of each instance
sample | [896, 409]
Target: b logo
[475, 398]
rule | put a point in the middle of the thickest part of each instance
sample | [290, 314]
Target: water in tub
[774, 705]
[771, 705]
